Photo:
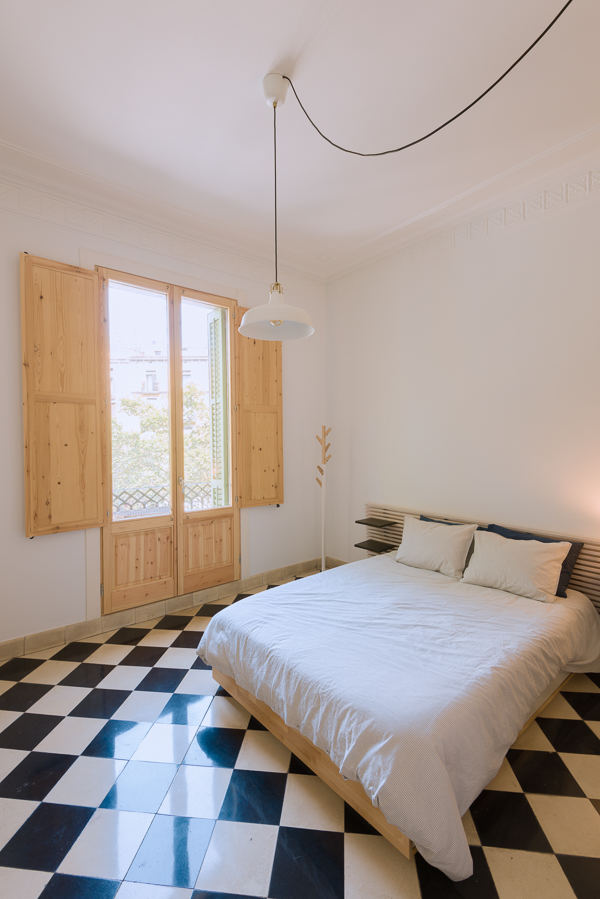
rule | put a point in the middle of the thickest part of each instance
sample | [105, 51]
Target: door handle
[181, 482]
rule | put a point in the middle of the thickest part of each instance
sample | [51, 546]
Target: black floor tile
[141, 787]
[255, 724]
[271, 586]
[16, 669]
[218, 747]
[298, 767]
[100, 704]
[543, 772]
[435, 885]
[43, 841]
[583, 874]
[172, 851]
[162, 680]
[585, 704]
[22, 696]
[75, 652]
[596, 804]
[308, 863]
[144, 656]
[184, 709]
[199, 665]
[28, 730]
[173, 622]
[87, 674]
[207, 611]
[568, 736]
[241, 596]
[35, 776]
[355, 823]
[222, 692]
[188, 640]
[67, 886]
[507, 820]
[129, 636]
[255, 797]
[118, 739]
[595, 678]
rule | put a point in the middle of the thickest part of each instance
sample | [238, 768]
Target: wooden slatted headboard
[586, 574]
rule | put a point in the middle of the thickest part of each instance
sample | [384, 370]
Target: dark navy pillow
[567, 566]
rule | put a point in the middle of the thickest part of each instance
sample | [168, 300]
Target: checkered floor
[125, 771]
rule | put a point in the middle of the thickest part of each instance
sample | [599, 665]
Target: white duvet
[414, 684]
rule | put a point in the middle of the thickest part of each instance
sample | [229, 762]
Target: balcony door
[173, 522]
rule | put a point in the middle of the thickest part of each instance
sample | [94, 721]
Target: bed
[402, 687]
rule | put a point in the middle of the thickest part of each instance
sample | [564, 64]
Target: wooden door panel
[65, 452]
[143, 566]
[208, 552]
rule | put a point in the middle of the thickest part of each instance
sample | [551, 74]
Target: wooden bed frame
[319, 762]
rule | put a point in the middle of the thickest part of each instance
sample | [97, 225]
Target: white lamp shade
[276, 320]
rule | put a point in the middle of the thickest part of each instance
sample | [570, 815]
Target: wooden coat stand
[321, 482]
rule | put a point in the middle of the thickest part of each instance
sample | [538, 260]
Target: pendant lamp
[276, 320]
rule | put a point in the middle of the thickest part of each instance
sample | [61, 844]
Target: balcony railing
[138, 502]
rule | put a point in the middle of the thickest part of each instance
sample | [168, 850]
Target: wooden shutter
[260, 434]
[61, 320]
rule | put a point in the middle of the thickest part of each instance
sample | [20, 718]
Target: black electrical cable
[454, 117]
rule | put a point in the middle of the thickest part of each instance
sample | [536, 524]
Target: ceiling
[159, 106]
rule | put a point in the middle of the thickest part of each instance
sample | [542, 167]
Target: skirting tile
[12, 648]
[44, 640]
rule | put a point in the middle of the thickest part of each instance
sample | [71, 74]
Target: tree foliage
[141, 456]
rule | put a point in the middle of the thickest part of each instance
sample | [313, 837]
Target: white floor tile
[158, 637]
[142, 706]
[505, 780]
[580, 683]
[124, 677]
[7, 718]
[595, 726]
[559, 708]
[535, 875]
[107, 845]
[13, 813]
[9, 759]
[310, 803]
[239, 859]
[129, 890]
[72, 735]
[374, 869]
[226, 712]
[50, 672]
[198, 683]
[198, 624]
[109, 654]
[176, 657]
[6, 685]
[87, 781]
[165, 743]
[261, 751]
[14, 882]
[196, 792]
[147, 625]
[60, 700]
[533, 738]
[572, 825]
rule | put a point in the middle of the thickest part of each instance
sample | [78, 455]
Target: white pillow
[525, 567]
[437, 547]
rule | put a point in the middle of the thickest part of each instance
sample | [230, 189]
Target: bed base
[319, 762]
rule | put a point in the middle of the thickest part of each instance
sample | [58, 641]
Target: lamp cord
[275, 170]
[435, 130]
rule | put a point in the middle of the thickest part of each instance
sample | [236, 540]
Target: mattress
[414, 684]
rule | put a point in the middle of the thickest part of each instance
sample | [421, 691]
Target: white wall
[468, 384]
[43, 581]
